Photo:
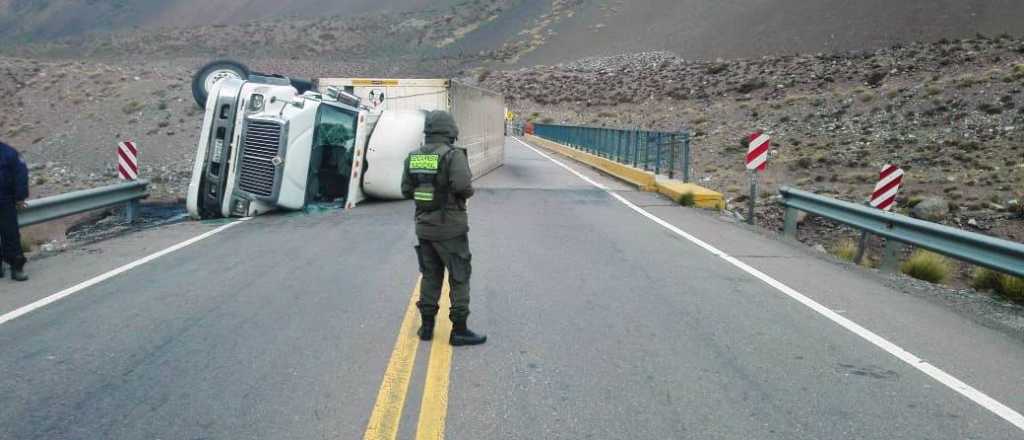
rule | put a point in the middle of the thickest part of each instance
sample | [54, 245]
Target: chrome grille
[261, 142]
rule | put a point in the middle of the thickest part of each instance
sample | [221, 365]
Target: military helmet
[441, 123]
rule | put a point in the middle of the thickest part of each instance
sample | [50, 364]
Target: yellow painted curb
[645, 180]
[702, 197]
[642, 179]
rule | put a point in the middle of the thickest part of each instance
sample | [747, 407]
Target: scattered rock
[932, 209]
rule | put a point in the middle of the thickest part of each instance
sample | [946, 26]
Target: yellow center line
[387, 412]
[434, 407]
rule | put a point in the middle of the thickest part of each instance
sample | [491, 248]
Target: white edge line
[21, 311]
[982, 399]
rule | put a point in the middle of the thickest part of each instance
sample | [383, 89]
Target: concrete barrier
[644, 180]
[702, 197]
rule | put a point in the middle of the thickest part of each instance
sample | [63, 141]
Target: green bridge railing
[661, 152]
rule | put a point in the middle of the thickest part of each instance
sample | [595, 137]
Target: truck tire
[215, 71]
[302, 85]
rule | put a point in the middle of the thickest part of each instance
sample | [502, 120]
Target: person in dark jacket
[13, 193]
[438, 178]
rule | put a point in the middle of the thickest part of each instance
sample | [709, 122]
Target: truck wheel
[213, 72]
[302, 85]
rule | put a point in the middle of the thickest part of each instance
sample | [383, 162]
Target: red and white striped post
[127, 160]
[884, 198]
[128, 170]
[889, 182]
[757, 161]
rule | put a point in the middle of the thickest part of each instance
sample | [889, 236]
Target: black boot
[426, 331]
[462, 335]
[1, 269]
[18, 275]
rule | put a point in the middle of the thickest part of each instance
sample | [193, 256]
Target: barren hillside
[517, 32]
[951, 113]
[68, 18]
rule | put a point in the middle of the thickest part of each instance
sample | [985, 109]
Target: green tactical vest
[430, 194]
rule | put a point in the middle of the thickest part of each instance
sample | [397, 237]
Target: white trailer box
[479, 113]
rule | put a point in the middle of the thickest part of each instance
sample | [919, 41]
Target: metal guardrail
[52, 208]
[661, 152]
[996, 254]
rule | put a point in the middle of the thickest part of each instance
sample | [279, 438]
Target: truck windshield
[333, 147]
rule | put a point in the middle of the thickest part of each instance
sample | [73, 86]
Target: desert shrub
[1006, 285]
[484, 74]
[1012, 287]
[845, 250]
[928, 266]
[752, 85]
[984, 279]
[132, 107]
[989, 108]
[717, 68]
[687, 199]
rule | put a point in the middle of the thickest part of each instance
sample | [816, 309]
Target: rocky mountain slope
[950, 113]
[516, 32]
[47, 19]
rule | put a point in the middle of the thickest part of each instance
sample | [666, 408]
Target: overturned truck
[270, 143]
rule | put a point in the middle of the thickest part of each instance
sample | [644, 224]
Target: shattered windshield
[335, 128]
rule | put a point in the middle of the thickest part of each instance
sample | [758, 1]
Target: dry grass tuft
[928, 266]
[1006, 285]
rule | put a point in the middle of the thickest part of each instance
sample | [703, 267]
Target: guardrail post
[891, 256]
[635, 144]
[647, 150]
[686, 157]
[657, 155]
[672, 156]
[604, 142]
[862, 247]
[130, 210]
[789, 224]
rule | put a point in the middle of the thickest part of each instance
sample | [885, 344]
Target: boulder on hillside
[932, 209]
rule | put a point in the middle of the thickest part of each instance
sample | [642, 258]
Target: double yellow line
[387, 412]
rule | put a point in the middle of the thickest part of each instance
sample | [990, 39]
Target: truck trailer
[270, 143]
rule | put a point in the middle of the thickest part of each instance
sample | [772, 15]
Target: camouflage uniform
[438, 177]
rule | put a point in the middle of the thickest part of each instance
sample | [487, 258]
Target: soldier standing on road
[438, 178]
[13, 192]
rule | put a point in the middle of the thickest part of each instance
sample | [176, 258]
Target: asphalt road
[603, 325]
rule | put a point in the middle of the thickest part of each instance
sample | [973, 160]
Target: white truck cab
[265, 146]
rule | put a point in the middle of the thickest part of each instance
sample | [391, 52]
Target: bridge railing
[996, 254]
[63, 205]
[657, 151]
